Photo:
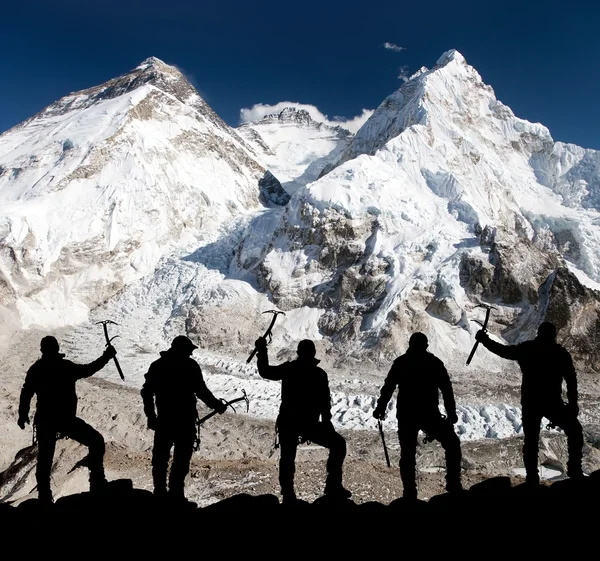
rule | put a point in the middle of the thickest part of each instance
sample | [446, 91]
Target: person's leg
[46, 440]
[161, 452]
[531, 430]
[182, 455]
[442, 430]
[323, 434]
[288, 444]
[407, 435]
[565, 418]
[81, 432]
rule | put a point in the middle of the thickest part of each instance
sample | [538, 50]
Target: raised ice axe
[484, 325]
[108, 340]
[268, 331]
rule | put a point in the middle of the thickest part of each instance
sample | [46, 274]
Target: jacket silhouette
[545, 365]
[419, 377]
[304, 415]
[52, 379]
[172, 385]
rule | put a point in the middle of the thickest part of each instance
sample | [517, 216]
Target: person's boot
[337, 491]
[532, 480]
[177, 497]
[45, 496]
[454, 486]
[98, 484]
[288, 496]
[575, 473]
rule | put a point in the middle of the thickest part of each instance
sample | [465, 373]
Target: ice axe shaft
[268, 331]
[228, 404]
[108, 340]
[385, 450]
[488, 310]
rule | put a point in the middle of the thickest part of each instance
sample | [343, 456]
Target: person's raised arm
[87, 370]
[266, 370]
[510, 352]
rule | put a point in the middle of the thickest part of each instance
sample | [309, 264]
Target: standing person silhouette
[52, 379]
[419, 376]
[304, 415]
[173, 382]
[544, 364]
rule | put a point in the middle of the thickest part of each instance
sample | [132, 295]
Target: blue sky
[541, 58]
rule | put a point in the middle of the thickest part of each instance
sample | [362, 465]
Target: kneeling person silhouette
[173, 382]
[304, 415]
[53, 379]
[419, 375]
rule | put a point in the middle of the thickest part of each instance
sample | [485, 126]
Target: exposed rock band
[174, 382]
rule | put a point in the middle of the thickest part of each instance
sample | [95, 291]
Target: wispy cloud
[260, 110]
[393, 47]
[356, 122]
[403, 73]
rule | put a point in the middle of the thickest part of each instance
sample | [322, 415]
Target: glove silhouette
[260, 344]
[481, 335]
[221, 407]
[110, 351]
[453, 417]
[22, 422]
[379, 414]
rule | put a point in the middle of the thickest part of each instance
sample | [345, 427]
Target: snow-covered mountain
[95, 188]
[441, 200]
[294, 146]
[134, 201]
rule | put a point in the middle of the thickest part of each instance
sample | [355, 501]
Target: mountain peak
[151, 61]
[451, 56]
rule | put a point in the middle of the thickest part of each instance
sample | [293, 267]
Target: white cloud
[393, 47]
[356, 122]
[261, 110]
[403, 73]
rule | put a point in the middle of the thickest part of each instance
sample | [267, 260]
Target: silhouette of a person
[172, 385]
[544, 364]
[419, 376]
[52, 379]
[304, 415]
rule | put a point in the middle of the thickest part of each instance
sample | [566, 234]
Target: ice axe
[199, 422]
[108, 340]
[244, 397]
[268, 331]
[488, 309]
[385, 450]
